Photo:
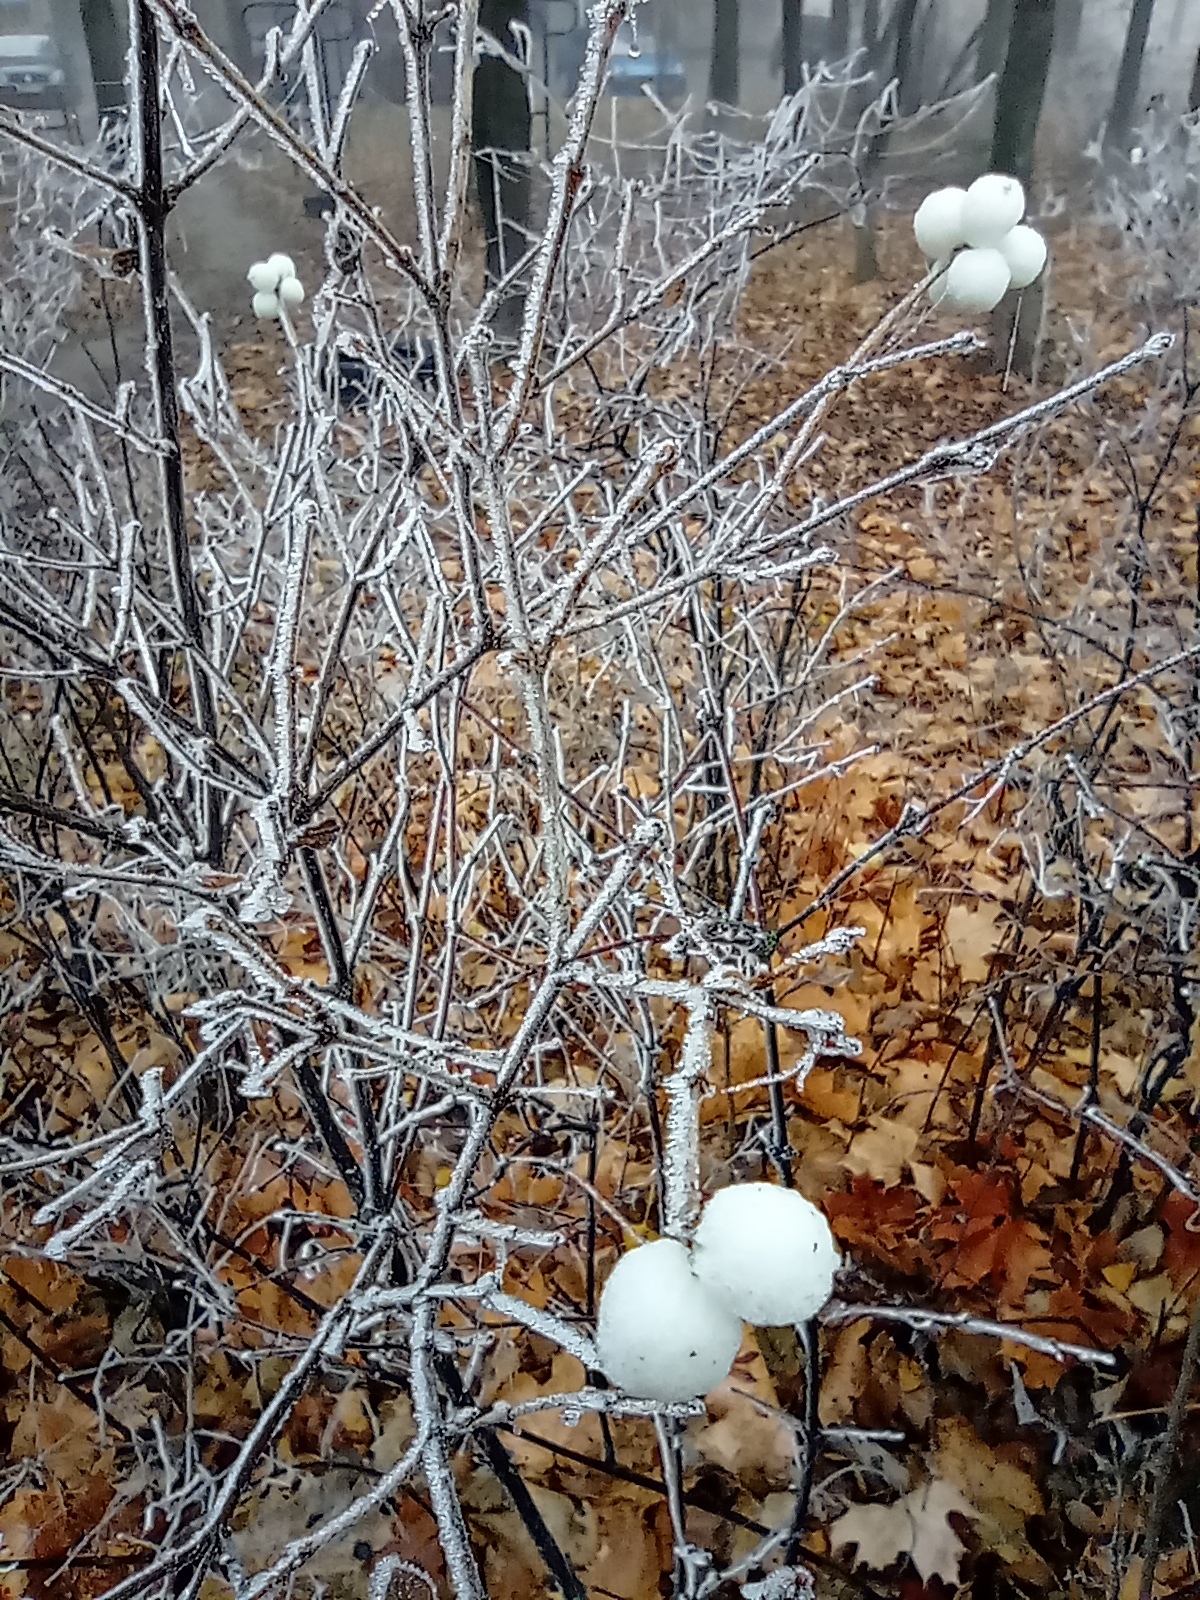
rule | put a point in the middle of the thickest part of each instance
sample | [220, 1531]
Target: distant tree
[104, 36]
[905, 60]
[793, 45]
[723, 79]
[839, 30]
[866, 264]
[500, 129]
[871, 23]
[993, 37]
[1124, 101]
[1017, 322]
[1194, 91]
[1022, 86]
[1067, 27]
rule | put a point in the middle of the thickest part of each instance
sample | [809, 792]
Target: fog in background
[254, 202]
[1089, 37]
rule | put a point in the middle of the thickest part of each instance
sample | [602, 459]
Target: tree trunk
[723, 67]
[1125, 95]
[870, 30]
[104, 35]
[1194, 91]
[1017, 326]
[993, 37]
[866, 261]
[500, 136]
[1022, 87]
[793, 45]
[866, 257]
[1017, 322]
[908, 87]
[1066, 32]
[839, 31]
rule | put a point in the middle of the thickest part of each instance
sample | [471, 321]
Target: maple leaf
[989, 1242]
[917, 1526]
[883, 1221]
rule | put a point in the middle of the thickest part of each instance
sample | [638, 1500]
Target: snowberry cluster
[275, 285]
[1001, 252]
[670, 1320]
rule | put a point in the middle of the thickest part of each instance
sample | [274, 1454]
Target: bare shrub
[384, 799]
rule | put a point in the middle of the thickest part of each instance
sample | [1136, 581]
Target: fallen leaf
[917, 1526]
[882, 1151]
[974, 937]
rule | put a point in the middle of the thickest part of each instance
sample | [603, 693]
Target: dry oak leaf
[882, 1150]
[974, 934]
[917, 1526]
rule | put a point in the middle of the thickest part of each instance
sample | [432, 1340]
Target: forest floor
[992, 1003]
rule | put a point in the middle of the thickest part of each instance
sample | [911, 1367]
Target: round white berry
[1025, 251]
[291, 291]
[285, 267]
[262, 277]
[265, 305]
[994, 204]
[660, 1334]
[977, 280]
[766, 1252]
[938, 223]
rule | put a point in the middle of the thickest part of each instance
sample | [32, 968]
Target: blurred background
[1058, 91]
[68, 55]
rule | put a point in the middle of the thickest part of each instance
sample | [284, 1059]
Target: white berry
[938, 223]
[263, 277]
[994, 204]
[265, 305]
[766, 1252]
[977, 280]
[660, 1333]
[1025, 251]
[291, 291]
[285, 267]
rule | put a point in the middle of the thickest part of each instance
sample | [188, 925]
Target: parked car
[633, 64]
[640, 61]
[31, 69]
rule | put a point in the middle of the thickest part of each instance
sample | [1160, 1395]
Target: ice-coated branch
[923, 1321]
[685, 1089]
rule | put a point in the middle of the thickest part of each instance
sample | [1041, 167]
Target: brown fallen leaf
[917, 1526]
[882, 1150]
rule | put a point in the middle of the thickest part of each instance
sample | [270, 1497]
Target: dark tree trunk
[908, 85]
[793, 45]
[1194, 91]
[839, 30]
[870, 29]
[1017, 322]
[500, 134]
[1022, 87]
[723, 68]
[105, 38]
[1067, 29]
[1125, 95]
[993, 37]
[866, 261]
